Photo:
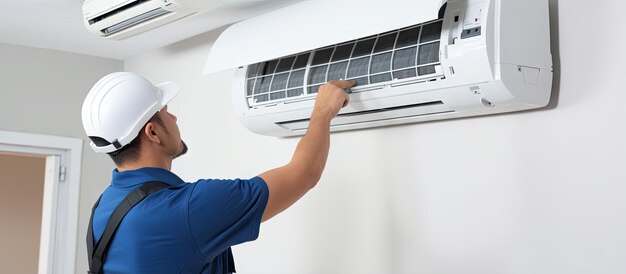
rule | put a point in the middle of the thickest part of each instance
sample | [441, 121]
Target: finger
[346, 101]
[343, 84]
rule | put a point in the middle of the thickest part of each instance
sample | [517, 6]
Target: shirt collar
[135, 177]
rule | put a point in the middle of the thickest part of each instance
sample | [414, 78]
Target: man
[172, 226]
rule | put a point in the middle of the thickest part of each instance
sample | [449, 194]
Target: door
[59, 198]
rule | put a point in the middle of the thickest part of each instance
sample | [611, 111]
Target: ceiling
[58, 25]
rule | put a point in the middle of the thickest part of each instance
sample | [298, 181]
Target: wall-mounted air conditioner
[413, 60]
[120, 19]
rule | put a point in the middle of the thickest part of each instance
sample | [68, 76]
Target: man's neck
[167, 165]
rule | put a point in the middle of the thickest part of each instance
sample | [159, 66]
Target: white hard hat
[119, 105]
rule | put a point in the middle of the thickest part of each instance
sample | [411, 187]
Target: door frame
[59, 230]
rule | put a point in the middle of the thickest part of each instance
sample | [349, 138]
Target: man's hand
[331, 97]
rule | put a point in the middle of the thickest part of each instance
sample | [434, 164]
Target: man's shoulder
[228, 184]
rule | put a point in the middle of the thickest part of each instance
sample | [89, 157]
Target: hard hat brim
[169, 91]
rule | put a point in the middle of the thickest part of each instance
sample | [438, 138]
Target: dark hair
[130, 152]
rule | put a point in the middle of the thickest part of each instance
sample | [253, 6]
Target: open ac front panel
[460, 64]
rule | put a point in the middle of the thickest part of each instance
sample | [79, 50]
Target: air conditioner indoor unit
[413, 61]
[120, 19]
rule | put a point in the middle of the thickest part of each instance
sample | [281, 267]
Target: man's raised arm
[289, 183]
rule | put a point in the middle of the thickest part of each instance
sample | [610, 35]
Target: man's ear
[150, 131]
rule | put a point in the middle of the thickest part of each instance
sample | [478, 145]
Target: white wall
[42, 91]
[533, 192]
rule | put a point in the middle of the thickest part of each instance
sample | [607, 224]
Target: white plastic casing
[507, 67]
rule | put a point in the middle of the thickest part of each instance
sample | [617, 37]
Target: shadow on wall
[202, 41]
[556, 54]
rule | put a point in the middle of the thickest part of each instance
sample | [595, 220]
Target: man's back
[174, 230]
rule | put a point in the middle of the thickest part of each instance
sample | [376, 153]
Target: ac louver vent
[405, 54]
[135, 21]
[381, 114]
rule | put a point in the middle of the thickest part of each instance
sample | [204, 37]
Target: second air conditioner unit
[120, 19]
[413, 60]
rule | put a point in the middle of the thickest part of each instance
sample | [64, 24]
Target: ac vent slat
[381, 114]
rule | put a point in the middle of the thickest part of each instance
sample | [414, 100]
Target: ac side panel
[529, 86]
[523, 41]
[239, 92]
[524, 33]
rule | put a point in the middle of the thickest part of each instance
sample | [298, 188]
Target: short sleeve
[224, 213]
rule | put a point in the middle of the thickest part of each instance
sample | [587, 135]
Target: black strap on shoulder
[231, 262]
[97, 254]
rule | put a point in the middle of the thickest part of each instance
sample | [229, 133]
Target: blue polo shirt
[185, 228]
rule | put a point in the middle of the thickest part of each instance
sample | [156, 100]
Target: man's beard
[183, 150]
